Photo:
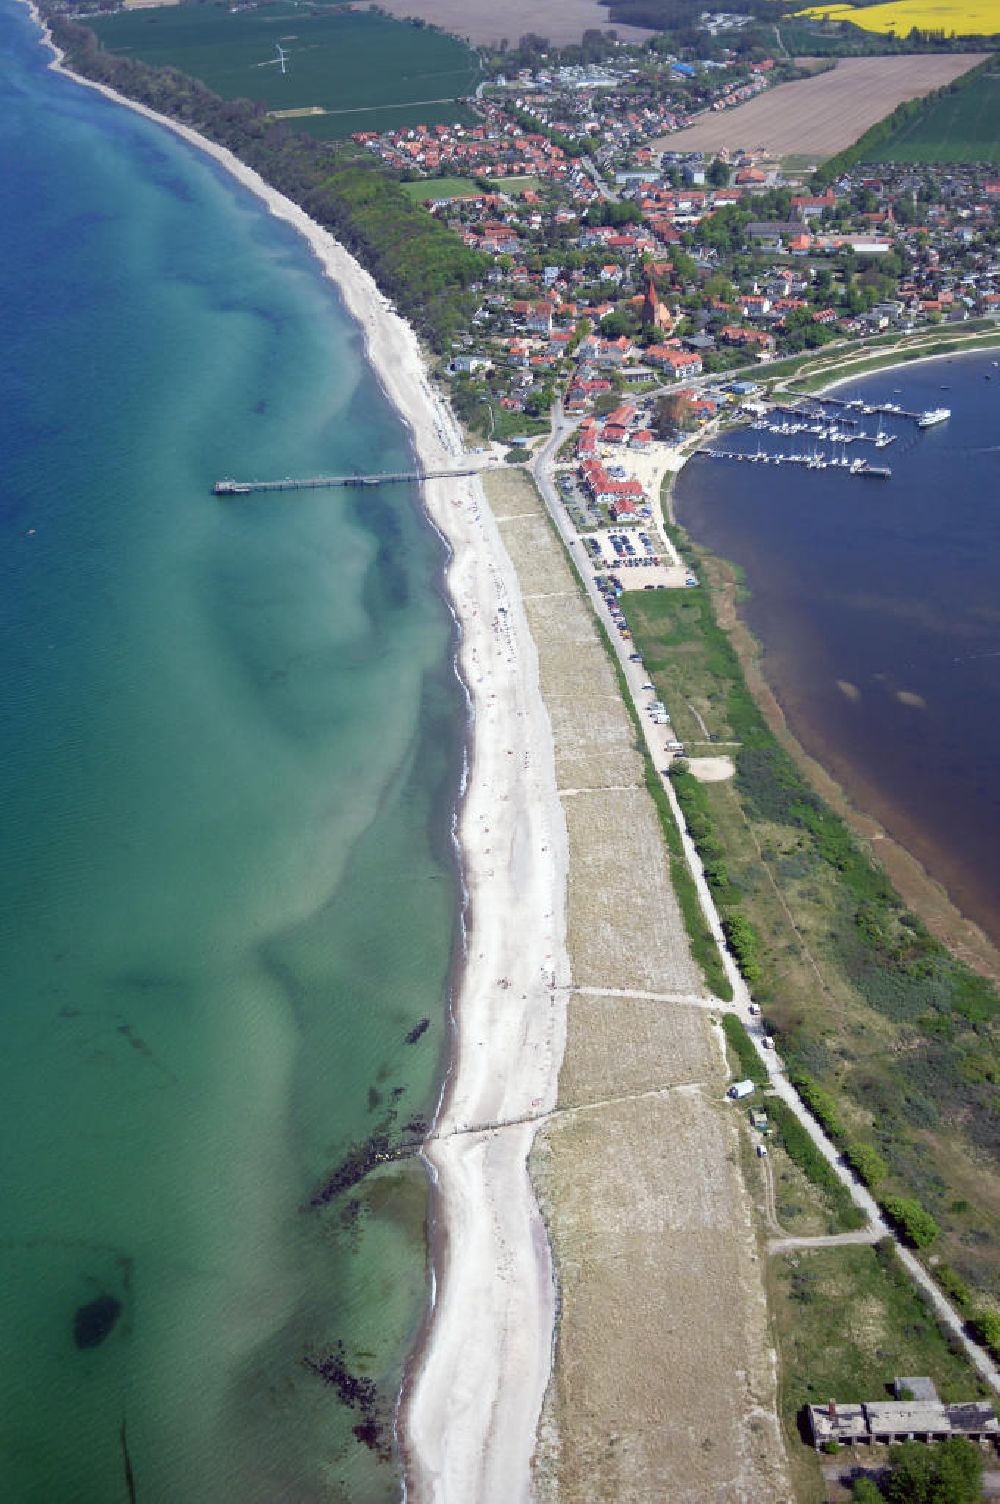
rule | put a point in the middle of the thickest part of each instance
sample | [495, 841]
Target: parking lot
[632, 549]
[584, 513]
[634, 554]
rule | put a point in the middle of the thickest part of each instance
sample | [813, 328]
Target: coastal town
[649, 292]
[636, 268]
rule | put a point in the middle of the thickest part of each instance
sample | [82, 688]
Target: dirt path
[830, 1240]
[770, 1199]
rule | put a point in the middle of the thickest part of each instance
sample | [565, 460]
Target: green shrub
[986, 1329]
[693, 800]
[914, 1225]
[819, 1102]
[741, 938]
[751, 1065]
[954, 1286]
[949, 1473]
[867, 1164]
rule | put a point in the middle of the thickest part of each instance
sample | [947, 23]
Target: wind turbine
[282, 54]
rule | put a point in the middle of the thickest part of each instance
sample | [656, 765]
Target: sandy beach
[474, 1391]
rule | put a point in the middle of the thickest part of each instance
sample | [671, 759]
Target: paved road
[635, 676]
[608, 194]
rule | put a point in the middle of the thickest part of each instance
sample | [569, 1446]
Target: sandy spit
[471, 1403]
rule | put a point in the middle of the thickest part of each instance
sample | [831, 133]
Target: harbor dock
[808, 461]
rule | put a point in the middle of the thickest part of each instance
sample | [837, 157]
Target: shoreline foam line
[474, 1387]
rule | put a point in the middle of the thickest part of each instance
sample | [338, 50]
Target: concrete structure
[916, 1414]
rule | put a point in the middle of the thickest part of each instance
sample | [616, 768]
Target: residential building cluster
[631, 266]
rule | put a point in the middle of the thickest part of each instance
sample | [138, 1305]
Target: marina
[870, 409]
[808, 420]
[836, 433]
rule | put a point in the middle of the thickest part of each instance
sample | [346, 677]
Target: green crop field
[959, 127]
[363, 71]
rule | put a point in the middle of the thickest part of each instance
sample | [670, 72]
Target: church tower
[655, 315]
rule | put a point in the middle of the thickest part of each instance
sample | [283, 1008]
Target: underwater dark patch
[96, 1320]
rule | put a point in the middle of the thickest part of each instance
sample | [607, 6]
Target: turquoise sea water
[230, 741]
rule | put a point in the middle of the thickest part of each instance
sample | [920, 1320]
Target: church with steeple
[655, 315]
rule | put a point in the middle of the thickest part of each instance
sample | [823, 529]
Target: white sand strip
[469, 1415]
[473, 1407]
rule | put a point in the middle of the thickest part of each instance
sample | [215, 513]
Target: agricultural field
[961, 127]
[336, 73]
[485, 23]
[817, 117]
[961, 18]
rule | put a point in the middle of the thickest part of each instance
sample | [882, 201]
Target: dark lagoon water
[230, 742]
[878, 606]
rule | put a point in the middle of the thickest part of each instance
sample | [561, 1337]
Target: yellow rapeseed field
[961, 17]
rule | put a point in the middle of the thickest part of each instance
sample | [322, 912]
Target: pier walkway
[323, 482]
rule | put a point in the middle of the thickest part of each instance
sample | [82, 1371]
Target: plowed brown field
[484, 22]
[816, 117]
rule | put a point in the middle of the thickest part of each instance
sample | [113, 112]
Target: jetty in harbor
[858, 405]
[326, 482]
[835, 432]
[816, 461]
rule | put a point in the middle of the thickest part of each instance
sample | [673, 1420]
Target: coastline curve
[489, 1332]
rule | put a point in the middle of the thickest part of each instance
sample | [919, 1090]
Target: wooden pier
[325, 482]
